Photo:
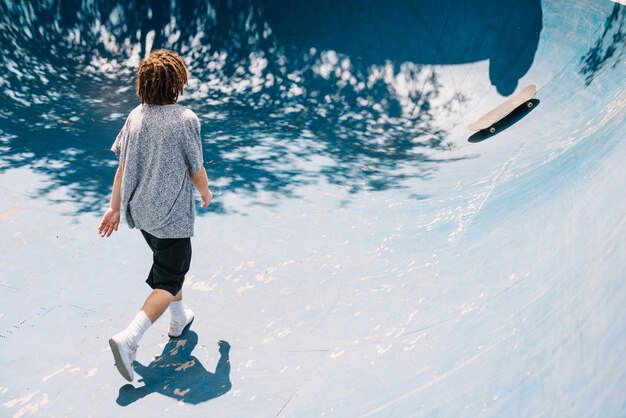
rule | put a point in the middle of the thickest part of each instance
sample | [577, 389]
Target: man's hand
[206, 198]
[109, 223]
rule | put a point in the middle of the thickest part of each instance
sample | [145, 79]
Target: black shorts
[171, 259]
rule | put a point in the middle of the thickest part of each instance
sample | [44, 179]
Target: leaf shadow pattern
[346, 106]
[608, 48]
[179, 375]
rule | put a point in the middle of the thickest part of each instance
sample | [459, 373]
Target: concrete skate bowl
[365, 254]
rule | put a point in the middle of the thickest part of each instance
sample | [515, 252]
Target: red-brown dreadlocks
[160, 78]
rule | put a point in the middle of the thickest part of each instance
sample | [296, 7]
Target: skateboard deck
[501, 111]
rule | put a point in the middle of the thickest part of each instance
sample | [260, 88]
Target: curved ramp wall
[365, 254]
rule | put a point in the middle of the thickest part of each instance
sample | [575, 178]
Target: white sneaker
[176, 329]
[124, 355]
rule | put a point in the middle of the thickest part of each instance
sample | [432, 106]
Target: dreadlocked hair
[160, 78]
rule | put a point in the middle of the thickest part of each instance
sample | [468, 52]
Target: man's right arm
[200, 181]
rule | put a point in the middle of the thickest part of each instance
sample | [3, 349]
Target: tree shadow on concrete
[179, 375]
[354, 103]
[505, 32]
[608, 50]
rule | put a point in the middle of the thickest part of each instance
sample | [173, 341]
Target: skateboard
[504, 109]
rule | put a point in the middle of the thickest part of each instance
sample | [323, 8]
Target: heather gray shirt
[158, 145]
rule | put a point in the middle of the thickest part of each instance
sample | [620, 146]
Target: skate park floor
[365, 254]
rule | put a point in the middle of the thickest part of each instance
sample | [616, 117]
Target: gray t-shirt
[158, 146]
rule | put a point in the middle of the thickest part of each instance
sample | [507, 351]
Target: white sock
[136, 328]
[177, 311]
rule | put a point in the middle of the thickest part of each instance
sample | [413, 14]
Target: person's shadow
[179, 375]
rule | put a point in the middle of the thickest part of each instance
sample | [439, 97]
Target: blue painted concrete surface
[365, 254]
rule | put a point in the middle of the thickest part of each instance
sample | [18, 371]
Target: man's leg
[177, 310]
[180, 316]
[154, 306]
[124, 344]
[157, 302]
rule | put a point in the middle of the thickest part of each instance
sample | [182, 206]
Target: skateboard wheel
[529, 104]
[492, 130]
